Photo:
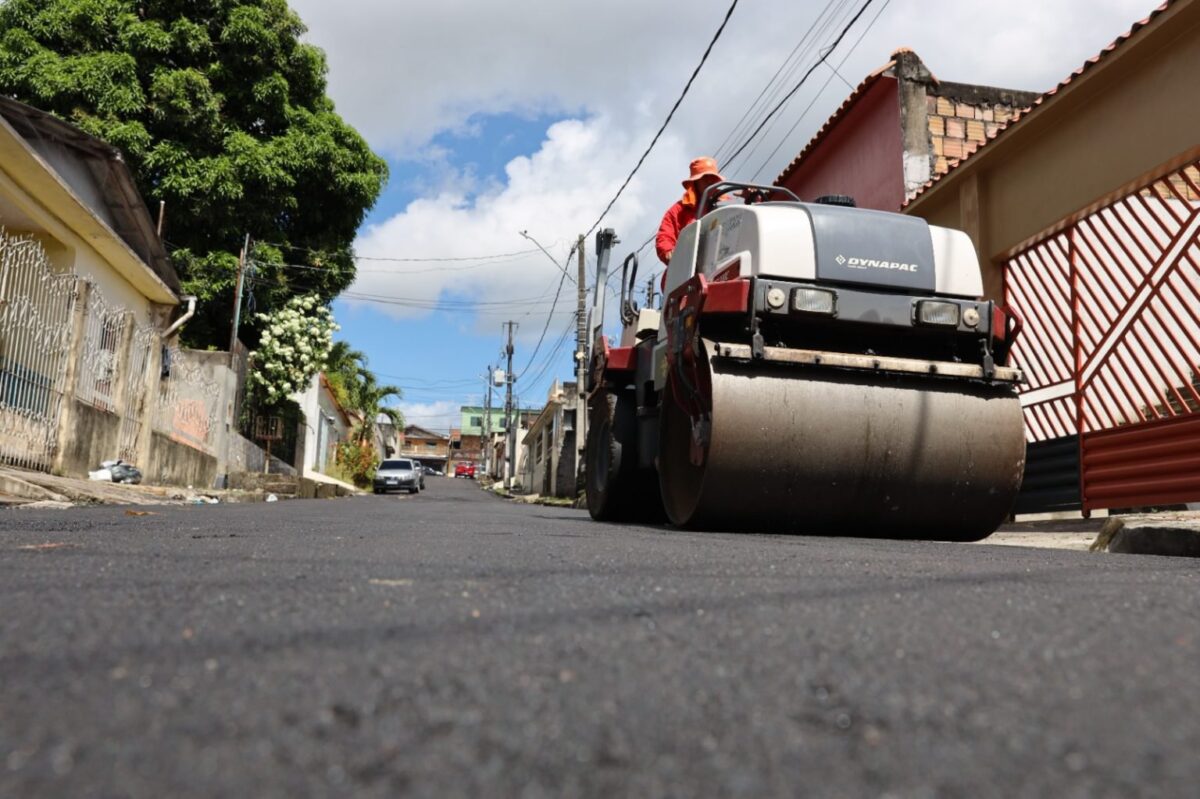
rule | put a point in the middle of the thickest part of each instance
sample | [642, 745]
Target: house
[898, 129]
[481, 432]
[87, 299]
[428, 446]
[549, 466]
[1085, 211]
[326, 424]
[387, 437]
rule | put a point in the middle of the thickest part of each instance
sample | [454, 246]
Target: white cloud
[440, 415]
[402, 72]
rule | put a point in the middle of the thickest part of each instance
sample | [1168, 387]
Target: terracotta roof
[834, 119]
[1049, 95]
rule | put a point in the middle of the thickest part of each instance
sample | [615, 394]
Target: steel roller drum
[845, 452]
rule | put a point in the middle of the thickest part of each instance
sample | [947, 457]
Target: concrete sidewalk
[28, 489]
[1171, 533]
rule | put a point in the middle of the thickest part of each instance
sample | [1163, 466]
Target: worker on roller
[703, 174]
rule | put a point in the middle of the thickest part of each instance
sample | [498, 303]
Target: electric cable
[824, 56]
[662, 127]
[747, 119]
[817, 96]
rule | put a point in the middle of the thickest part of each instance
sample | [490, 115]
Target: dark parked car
[400, 474]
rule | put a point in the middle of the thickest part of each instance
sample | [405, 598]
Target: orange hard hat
[700, 167]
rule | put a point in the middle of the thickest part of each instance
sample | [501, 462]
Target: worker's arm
[668, 233]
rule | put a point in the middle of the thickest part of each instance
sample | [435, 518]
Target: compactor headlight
[931, 312]
[814, 301]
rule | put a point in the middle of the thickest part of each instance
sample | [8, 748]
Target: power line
[663, 127]
[404, 273]
[808, 108]
[549, 317]
[744, 121]
[409, 259]
[825, 55]
[836, 18]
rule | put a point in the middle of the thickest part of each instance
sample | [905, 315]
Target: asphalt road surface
[454, 644]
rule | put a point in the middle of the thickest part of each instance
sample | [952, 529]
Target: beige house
[87, 299]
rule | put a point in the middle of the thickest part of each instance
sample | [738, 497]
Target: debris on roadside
[117, 471]
[204, 500]
[272, 498]
[140, 513]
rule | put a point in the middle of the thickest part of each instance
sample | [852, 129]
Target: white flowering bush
[294, 345]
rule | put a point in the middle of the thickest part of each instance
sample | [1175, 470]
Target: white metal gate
[35, 332]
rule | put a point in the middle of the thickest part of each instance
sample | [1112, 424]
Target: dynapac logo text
[872, 263]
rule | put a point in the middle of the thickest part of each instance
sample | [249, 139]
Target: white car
[399, 474]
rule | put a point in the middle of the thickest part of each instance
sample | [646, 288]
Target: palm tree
[368, 399]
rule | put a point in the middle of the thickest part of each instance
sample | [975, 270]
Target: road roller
[812, 368]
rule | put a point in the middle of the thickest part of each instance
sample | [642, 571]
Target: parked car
[399, 474]
[465, 469]
[432, 472]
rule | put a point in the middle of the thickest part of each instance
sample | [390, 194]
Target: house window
[476, 421]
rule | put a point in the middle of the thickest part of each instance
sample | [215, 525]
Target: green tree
[369, 398]
[221, 112]
[343, 366]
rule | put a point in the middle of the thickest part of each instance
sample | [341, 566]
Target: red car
[465, 470]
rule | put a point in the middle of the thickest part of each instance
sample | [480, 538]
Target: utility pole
[237, 300]
[650, 292]
[581, 364]
[510, 428]
[229, 391]
[487, 424]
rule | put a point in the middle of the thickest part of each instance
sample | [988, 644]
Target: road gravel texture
[454, 644]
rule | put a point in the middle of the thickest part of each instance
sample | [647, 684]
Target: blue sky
[527, 115]
[438, 358]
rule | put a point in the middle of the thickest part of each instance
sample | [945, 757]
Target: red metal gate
[1111, 343]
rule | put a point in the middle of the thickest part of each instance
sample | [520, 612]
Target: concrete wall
[93, 438]
[173, 463]
[246, 456]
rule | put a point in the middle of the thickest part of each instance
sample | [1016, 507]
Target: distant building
[472, 418]
[549, 446]
[327, 424]
[427, 446]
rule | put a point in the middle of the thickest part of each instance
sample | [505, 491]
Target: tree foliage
[294, 346]
[220, 111]
[357, 388]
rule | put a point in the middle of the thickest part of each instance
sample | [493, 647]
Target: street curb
[1180, 539]
[23, 489]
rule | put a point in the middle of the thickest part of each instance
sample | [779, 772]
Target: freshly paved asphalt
[453, 644]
